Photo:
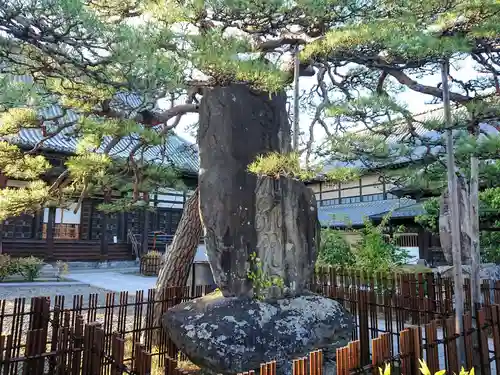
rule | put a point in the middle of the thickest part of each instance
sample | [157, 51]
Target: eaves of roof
[418, 153]
[345, 215]
[176, 151]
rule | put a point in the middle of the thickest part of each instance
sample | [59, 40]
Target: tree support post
[3, 185]
[455, 216]
[296, 74]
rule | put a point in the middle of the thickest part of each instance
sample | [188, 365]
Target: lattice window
[97, 222]
[134, 221]
[85, 219]
[167, 220]
[112, 226]
[176, 218]
[18, 227]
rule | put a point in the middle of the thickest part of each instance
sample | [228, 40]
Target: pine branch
[429, 90]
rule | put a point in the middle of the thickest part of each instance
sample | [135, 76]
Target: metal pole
[296, 62]
[454, 215]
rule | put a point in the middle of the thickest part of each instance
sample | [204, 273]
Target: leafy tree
[334, 249]
[374, 252]
[111, 73]
[401, 47]
[111, 63]
[489, 213]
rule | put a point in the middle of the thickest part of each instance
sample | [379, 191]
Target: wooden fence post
[342, 356]
[431, 292]
[416, 351]
[405, 352]
[93, 346]
[316, 363]
[76, 360]
[484, 354]
[495, 322]
[268, 368]
[432, 346]
[450, 334]
[143, 360]
[299, 366]
[381, 350]
[117, 354]
[468, 340]
[364, 335]
[62, 364]
[35, 346]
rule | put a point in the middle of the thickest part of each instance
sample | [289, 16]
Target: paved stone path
[114, 281]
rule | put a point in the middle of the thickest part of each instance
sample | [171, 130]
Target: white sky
[416, 102]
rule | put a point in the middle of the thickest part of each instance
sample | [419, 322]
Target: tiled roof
[354, 213]
[176, 150]
[417, 152]
[403, 212]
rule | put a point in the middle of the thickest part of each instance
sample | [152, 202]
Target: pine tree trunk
[180, 255]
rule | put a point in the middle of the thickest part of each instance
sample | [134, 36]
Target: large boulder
[232, 335]
[275, 218]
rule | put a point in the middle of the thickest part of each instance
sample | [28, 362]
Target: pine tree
[400, 48]
[92, 58]
[96, 71]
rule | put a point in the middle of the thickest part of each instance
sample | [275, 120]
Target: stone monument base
[233, 335]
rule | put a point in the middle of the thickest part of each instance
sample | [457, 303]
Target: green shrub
[30, 267]
[152, 254]
[334, 249]
[62, 269]
[373, 253]
[490, 246]
[7, 266]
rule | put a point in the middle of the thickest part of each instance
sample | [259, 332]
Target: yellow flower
[387, 370]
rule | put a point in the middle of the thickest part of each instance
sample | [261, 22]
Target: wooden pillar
[104, 227]
[145, 227]
[37, 220]
[156, 225]
[91, 214]
[122, 227]
[125, 227]
[3, 185]
[51, 221]
[193, 280]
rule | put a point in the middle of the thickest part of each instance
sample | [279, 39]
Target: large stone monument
[262, 236]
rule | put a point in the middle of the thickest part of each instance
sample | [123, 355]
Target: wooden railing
[135, 244]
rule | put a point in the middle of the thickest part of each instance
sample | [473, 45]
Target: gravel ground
[96, 313]
[12, 292]
[130, 315]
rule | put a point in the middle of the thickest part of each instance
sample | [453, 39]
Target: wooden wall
[95, 240]
[68, 251]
